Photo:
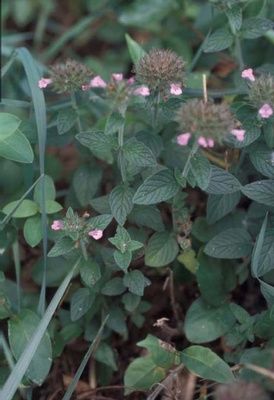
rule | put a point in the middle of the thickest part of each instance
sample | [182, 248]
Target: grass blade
[20, 368]
[91, 350]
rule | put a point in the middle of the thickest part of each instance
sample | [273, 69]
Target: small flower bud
[238, 133]
[266, 111]
[248, 74]
[175, 88]
[57, 225]
[183, 139]
[142, 91]
[117, 77]
[96, 234]
[97, 82]
[44, 82]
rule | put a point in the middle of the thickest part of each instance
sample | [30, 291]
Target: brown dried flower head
[205, 119]
[262, 91]
[159, 69]
[241, 391]
[69, 76]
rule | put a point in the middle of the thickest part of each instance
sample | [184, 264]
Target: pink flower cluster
[183, 139]
[266, 110]
[44, 82]
[58, 225]
[239, 134]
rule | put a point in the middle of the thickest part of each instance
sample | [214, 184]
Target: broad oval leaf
[206, 364]
[222, 182]
[120, 200]
[27, 208]
[156, 188]
[161, 249]
[219, 40]
[9, 123]
[21, 327]
[16, 147]
[260, 191]
[219, 205]
[231, 243]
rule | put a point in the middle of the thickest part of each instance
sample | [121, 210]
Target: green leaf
[219, 40]
[222, 182]
[123, 260]
[63, 246]
[219, 205]
[156, 188]
[234, 14]
[260, 191]
[114, 287]
[65, 120]
[142, 374]
[204, 323]
[54, 275]
[136, 282]
[80, 303]
[136, 52]
[231, 243]
[26, 209]
[85, 182]
[98, 143]
[161, 249]
[137, 154]
[51, 207]
[263, 159]
[131, 301]
[201, 169]
[114, 123]
[20, 329]
[206, 364]
[105, 355]
[16, 147]
[160, 354]
[120, 200]
[50, 191]
[90, 272]
[149, 216]
[99, 222]
[255, 27]
[9, 123]
[33, 230]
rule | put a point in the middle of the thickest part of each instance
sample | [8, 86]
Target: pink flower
[248, 74]
[117, 77]
[183, 139]
[204, 142]
[96, 234]
[176, 89]
[142, 91]
[239, 134]
[57, 225]
[131, 80]
[85, 87]
[97, 82]
[266, 111]
[44, 82]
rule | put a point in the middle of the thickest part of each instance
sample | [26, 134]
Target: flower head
[205, 120]
[176, 89]
[131, 80]
[57, 225]
[159, 69]
[117, 77]
[261, 91]
[44, 82]
[238, 133]
[142, 91]
[96, 234]
[265, 111]
[97, 82]
[69, 76]
[248, 74]
[183, 139]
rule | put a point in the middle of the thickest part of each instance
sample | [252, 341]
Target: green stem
[16, 258]
[84, 250]
[120, 154]
[191, 154]
[239, 53]
[156, 109]
[76, 109]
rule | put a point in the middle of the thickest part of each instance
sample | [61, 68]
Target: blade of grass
[39, 105]
[20, 368]
[89, 353]
[14, 103]
[16, 258]
[7, 66]
[71, 33]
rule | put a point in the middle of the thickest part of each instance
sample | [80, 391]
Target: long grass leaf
[91, 350]
[20, 368]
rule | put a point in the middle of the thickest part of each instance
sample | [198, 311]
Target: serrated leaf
[99, 222]
[149, 216]
[138, 154]
[136, 282]
[234, 15]
[120, 200]
[80, 303]
[114, 287]
[156, 188]
[161, 249]
[206, 364]
[231, 243]
[114, 122]
[85, 182]
[63, 246]
[65, 120]
[123, 260]
[222, 182]
[255, 27]
[219, 205]
[136, 52]
[21, 329]
[201, 170]
[260, 191]
[219, 40]
[90, 272]
[263, 159]
[98, 143]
